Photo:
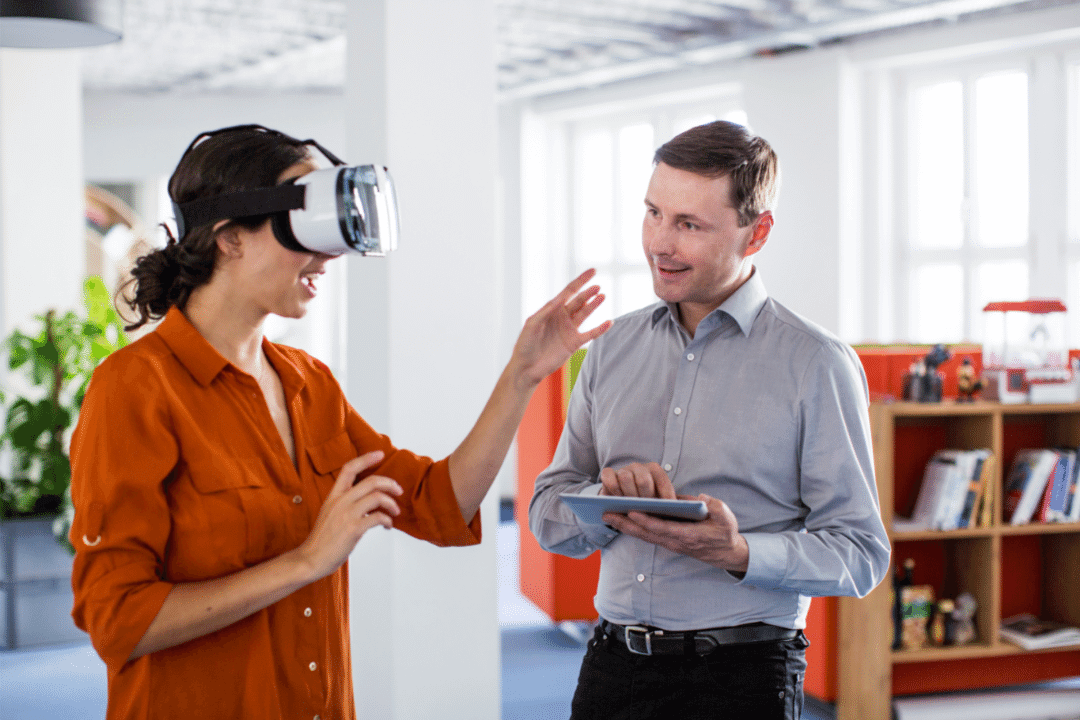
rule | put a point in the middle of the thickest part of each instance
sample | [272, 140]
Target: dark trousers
[763, 681]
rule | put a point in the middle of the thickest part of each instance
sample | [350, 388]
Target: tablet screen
[591, 508]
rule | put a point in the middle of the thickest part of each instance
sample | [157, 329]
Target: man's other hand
[714, 540]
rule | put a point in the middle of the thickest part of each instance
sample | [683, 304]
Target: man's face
[692, 239]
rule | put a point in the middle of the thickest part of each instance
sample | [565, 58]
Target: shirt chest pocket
[219, 513]
[328, 457]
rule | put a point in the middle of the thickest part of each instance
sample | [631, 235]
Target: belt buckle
[645, 633]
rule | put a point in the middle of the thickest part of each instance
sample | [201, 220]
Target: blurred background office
[930, 165]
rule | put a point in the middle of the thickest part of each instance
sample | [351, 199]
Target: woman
[220, 481]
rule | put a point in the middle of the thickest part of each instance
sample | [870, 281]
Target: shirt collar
[205, 363]
[292, 380]
[742, 306]
[190, 347]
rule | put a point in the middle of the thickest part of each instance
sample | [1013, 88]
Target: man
[722, 394]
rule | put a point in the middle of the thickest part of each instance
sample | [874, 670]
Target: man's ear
[760, 235]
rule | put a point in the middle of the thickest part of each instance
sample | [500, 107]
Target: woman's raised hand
[550, 336]
[349, 512]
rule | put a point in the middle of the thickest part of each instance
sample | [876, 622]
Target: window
[608, 166]
[967, 240]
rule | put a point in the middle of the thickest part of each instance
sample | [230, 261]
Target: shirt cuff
[599, 535]
[768, 560]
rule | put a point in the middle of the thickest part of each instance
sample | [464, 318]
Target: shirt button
[667, 468]
[297, 499]
[307, 612]
[689, 356]
[678, 411]
[640, 578]
[312, 667]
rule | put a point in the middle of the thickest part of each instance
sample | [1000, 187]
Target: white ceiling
[543, 46]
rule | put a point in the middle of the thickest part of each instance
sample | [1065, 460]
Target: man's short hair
[724, 148]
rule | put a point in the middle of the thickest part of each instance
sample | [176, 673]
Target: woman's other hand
[550, 336]
[350, 510]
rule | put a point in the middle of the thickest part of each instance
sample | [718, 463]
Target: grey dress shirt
[761, 409]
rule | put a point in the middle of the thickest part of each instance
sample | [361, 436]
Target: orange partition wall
[561, 587]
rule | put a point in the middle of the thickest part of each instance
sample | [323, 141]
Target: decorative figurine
[960, 624]
[966, 382]
[939, 622]
[922, 382]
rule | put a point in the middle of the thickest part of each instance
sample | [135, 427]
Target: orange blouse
[179, 474]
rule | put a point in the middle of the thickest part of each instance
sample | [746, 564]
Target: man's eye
[689, 226]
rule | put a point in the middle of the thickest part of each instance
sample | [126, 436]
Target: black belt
[642, 640]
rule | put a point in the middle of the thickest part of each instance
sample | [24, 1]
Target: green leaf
[99, 350]
[98, 302]
[19, 352]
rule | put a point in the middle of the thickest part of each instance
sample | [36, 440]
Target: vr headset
[332, 211]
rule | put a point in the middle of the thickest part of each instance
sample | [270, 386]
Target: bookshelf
[1009, 570]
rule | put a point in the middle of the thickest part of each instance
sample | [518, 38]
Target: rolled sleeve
[121, 454]
[429, 507]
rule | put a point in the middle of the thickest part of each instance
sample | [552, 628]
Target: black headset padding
[282, 227]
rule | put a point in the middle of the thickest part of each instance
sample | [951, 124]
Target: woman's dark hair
[223, 161]
[724, 148]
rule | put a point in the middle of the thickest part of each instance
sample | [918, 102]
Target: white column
[793, 101]
[42, 235]
[422, 340]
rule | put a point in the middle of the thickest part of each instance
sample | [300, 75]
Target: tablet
[591, 508]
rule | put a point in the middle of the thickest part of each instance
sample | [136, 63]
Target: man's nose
[659, 239]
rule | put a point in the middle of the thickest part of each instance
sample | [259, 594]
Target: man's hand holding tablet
[713, 539]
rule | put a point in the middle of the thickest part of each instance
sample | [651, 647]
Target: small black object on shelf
[923, 382]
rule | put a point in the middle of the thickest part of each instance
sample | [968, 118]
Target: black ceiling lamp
[59, 23]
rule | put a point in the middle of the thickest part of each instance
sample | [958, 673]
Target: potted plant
[50, 372]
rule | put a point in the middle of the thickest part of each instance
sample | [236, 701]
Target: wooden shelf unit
[1009, 569]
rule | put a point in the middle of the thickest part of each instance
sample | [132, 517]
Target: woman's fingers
[579, 301]
[347, 475]
[572, 287]
[375, 493]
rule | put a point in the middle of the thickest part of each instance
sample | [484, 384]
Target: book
[1031, 633]
[1027, 479]
[977, 490]
[953, 483]
[938, 477]
[968, 465]
[1072, 502]
[1052, 506]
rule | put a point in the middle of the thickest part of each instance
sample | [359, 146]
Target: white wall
[42, 236]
